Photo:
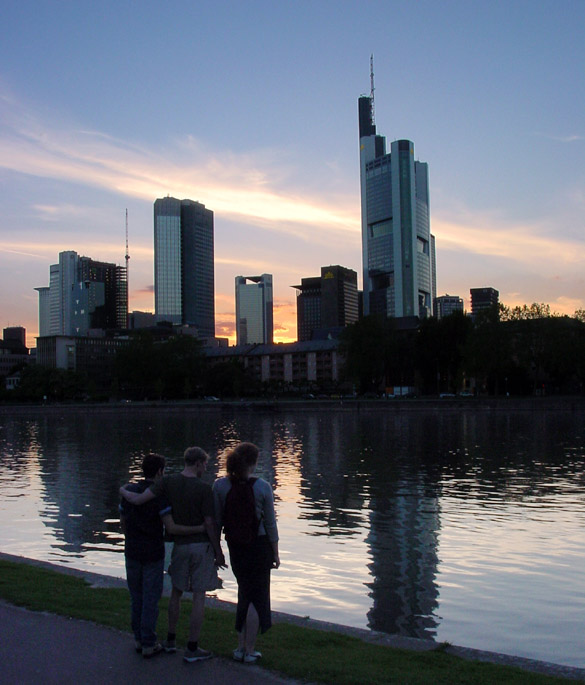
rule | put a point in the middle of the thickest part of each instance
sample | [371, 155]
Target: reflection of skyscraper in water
[351, 481]
[332, 487]
[404, 524]
[79, 494]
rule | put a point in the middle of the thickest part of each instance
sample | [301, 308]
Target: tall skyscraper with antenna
[398, 250]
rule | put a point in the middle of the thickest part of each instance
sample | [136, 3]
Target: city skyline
[492, 97]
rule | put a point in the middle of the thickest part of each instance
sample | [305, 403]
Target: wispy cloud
[49, 251]
[561, 139]
[490, 235]
[56, 213]
[241, 187]
[21, 253]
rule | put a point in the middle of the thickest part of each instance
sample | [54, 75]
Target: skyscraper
[308, 307]
[254, 316]
[397, 246]
[183, 264]
[82, 294]
[326, 302]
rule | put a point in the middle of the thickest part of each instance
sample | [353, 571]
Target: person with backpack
[244, 509]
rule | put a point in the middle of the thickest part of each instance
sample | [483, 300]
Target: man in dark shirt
[195, 558]
[145, 554]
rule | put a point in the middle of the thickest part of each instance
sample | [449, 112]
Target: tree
[440, 354]
[488, 353]
[363, 346]
[169, 369]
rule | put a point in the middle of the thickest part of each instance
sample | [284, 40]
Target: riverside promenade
[54, 650]
[38, 646]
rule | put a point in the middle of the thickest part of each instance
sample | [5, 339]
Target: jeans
[145, 582]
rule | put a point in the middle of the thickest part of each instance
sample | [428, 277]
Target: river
[464, 525]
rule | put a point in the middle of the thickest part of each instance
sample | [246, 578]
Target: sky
[251, 109]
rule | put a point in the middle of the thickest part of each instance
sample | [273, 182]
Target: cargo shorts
[192, 567]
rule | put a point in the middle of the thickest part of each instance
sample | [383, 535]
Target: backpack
[239, 517]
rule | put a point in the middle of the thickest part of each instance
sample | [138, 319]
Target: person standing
[195, 558]
[244, 508]
[144, 553]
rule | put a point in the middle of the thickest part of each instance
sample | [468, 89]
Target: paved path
[53, 650]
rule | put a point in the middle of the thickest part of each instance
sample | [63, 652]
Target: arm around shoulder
[136, 497]
[178, 529]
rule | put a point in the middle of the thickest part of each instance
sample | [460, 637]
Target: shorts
[193, 569]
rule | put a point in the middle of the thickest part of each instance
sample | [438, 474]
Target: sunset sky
[251, 109]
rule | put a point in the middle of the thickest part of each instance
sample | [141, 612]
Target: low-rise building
[297, 364]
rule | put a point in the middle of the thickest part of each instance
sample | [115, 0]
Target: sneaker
[148, 652]
[170, 646]
[197, 655]
[138, 646]
[251, 657]
[238, 654]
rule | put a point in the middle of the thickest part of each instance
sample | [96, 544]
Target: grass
[293, 651]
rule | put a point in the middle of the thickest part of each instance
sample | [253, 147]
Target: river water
[465, 526]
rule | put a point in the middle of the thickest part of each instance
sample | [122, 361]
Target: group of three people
[195, 514]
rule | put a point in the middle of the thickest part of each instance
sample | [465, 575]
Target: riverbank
[296, 648]
[280, 405]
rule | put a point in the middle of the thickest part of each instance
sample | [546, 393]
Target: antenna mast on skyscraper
[372, 88]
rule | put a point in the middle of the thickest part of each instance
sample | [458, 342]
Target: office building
[327, 303]
[308, 307]
[483, 298]
[183, 264]
[339, 296]
[446, 305]
[398, 250]
[13, 354]
[254, 315]
[15, 333]
[83, 294]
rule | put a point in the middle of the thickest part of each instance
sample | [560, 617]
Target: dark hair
[240, 459]
[152, 464]
[192, 455]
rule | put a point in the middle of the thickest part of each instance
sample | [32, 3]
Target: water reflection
[458, 526]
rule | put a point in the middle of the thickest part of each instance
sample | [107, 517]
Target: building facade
[93, 356]
[302, 364]
[254, 310]
[445, 305]
[184, 280]
[398, 250]
[13, 352]
[83, 294]
[483, 298]
[327, 302]
[308, 307]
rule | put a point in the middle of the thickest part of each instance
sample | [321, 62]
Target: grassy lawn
[296, 652]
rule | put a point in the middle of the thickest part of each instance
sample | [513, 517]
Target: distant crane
[372, 88]
[127, 258]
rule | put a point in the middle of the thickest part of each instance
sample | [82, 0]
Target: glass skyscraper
[398, 249]
[183, 264]
[254, 309]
